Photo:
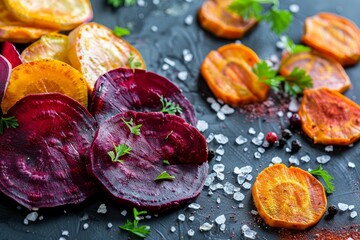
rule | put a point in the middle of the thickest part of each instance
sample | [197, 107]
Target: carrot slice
[289, 197]
[328, 117]
[50, 46]
[333, 35]
[95, 50]
[228, 72]
[214, 17]
[63, 15]
[13, 30]
[324, 71]
[44, 76]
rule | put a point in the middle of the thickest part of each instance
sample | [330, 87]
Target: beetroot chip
[124, 89]
[164, 143]
[42, 161]
[5, 70]
[10, 52]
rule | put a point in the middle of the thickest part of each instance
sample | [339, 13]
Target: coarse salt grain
[294, 8]
[246, 185]
[221, 138]
[191, 233]
[210, 138]
[220, 219]
[241, 205]
[305, 158]
[221, 116]
[241, 140]
[220, 176]
[182, 75]
[343, 206]
[353, 214]
[351, 165]
[294, 160]
[218, 158]
[351, 207]
[65, 233]
[329, 148]
[32, 216]
[210, 100]
[85, 226]
[276, 160]
[257, 141]
[192, 218]
[102, 209]
[189, 20]
[248, 233]
[123, 212]
[219, 167]
[323, 159]
[238, 196]
[181, 217]
[218, 200]
[220, 150]
[202, 125]
[215, 106]
[195, 206]
[172, 229]
[206, 227]
[187, 55]
[229, 188]
[252, 131]
[222, 227]
[109, 225]
[226, 109]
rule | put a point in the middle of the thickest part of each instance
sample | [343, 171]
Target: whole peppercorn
[281, 142]
[271, 138]
[286, 133]
[295, 121]
[332, 211]
[295, 146]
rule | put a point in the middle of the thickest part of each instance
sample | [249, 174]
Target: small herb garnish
[169, 107]
[118, 3]
[167, 136]
[120, 150]
[294, 83]
[140, 231]
[133, 129]
[293, 48]
[121, 32]
[132, 62]
[166, 162]
[164, 176]
[278, 19]
[9, 122]
[319, 171]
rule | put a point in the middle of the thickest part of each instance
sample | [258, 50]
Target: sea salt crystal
[26, 222]
[294, 105]
[218, 200]
[226, 109]
[218, 158]
[222, 227]
[189, 20]
[220, 176]
[241, 179]
[216, 186]
[261, 150]
[257, 155]
[329, 148]
[215, 106]
[202, 125]
[154, 28]
[294, 8]
[123, 212]
[181, 217]
[265, 144]
[351, 207]
[109, 225]
[294, 160]
[165, 67]
[343, 206]
[256, 141]
[41, 218]
[195, 206]
[254, 212]
[261, 135]
[274, 58]
[220, 219]
[238, 196]
[288, 150]
[252, 131]
[275, 160]
[248, 233]
[305, 158]
[249, 177]
[148, 217]
[221, 116]
[187, 55]
[229, 188]
[210, 138]
[220, 150]
[246, 169]
[32, 216]
[280, 44]
[85, 226]
[241, 205]
[280, 114]
[323, 159]
[65, 233]
[353, 214]
[191, 233]
[102, 209]
[192, 218]
[172, 229]
[219, 167]
[210, 100]
[246, 149]
[206, 227]
[84, 217]
[220, 101]
[210, 179]
[351, 165]
[183, 75]
[62, 238]
[246, 185]
[241, 140]
[221, 138]
[289, 114]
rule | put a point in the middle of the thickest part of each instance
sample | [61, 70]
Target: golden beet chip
[289, 197]
[44, 76]
[328, 117]
[324, 71]
[50, 46]
[334, 36]
[228, 72]
[217, 19]
[95, 50]
[64, 14]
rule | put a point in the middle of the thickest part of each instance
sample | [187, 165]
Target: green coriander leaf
[140, 231]
[132, 62]
[129, 3]
[115, 3]
[167, 136]
[164, 176]
[169, 107]
[279, 20]
[319, 171]
[9, 122]
[297, 81]
[121, 32]
[267, 75]
[120, 150]
[293, 48]
[166, 162]
[133, 129]
[246, 8]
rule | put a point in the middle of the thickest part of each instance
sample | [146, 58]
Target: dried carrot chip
[334, 36]
[324, 71]
[50, 46]
[216, 18]
[289, 197]
[95, 50]
[44, 76]
[228, 72]
[64, 14]
[328, 117]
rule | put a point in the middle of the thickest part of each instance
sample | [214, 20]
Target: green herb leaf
[246, 8]
[169, 107]
[140, 231]
[297, 81]
[132, 62]
[166, 162]
[319, 171]
[121, 32]
[164, 176]
[9, 122]
[133, 129]
[279, 20]
[293, 48]
[120, 150]
[167, 136]
[268, 75]
[118, 3]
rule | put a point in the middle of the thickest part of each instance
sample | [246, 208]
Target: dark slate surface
[172, 37]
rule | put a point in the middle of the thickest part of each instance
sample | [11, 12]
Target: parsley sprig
[118, 3]
[120, 31]
[120, 150]
[278, 19]
[294, 83]
[9, 122]
[293, 48]
[169, 107]
[133, 129]
[319, 171]
[164, 176]
[132, 62]
[133, 227]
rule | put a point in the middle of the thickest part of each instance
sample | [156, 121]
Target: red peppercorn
[271, 137]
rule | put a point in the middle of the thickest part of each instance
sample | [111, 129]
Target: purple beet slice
[5, 70]
[124, 89]
[42, 161]
[162, 137]
[10, 52]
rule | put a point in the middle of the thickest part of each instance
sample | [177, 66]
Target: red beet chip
[5, 70]
[10, 52]
[162, 137]
[124, 89]
[42, 160]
